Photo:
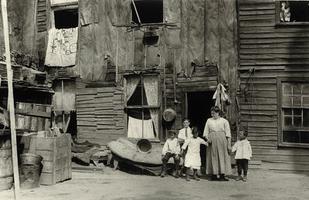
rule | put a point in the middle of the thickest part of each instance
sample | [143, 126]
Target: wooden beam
[10, 98]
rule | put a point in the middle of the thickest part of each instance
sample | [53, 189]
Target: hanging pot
[169, 114]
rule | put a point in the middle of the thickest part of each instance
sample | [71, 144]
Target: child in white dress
[193, 158]
[243, 154]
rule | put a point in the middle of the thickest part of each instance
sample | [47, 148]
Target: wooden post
[117, 55]
[10, 98]
[62, 105]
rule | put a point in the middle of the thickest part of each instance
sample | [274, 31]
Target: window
[149, 11]
[142, 105]
[67, 18]
[292, 12]
[295, 113]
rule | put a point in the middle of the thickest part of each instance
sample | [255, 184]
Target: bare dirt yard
[118, 185]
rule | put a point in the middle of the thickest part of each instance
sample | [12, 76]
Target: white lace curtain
[131, 84]
[152, 89]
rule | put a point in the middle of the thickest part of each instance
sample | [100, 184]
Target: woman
[217, 132]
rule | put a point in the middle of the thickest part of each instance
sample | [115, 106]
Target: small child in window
[193, 158]
[171, 149]
[243, 154]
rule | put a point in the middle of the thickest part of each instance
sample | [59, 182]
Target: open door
[198, 111]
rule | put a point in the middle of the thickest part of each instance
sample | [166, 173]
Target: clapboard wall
[100, 114]
[268, 51]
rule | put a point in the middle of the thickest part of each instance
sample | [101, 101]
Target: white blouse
[217, 125]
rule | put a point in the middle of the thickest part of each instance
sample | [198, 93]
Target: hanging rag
[221, 96]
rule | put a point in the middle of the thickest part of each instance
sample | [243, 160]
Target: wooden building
[273, 80]
[175, 59]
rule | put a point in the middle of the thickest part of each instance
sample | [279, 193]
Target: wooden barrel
[6, 167]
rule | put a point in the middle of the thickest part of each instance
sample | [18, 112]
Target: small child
[193, 158]
[243, 154]
[170, 149]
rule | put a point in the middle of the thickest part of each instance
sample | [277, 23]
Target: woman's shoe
[213, 178]
[244, 179]
[223, 178]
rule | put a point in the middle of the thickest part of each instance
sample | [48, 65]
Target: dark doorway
[198, 107]
[199, 104]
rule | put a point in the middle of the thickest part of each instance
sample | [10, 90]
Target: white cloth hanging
[136, 130]
[220, 96]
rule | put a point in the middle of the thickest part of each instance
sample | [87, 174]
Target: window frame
[277, 16]
[58, 7]
[281, 80]
[142, 107]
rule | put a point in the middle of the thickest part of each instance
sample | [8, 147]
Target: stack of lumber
[100, 115]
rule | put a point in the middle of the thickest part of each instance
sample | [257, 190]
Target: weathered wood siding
[272, 51]
[100, 114]
[206, 30]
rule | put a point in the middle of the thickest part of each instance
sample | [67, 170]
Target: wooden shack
[193, 48]
[273, 80]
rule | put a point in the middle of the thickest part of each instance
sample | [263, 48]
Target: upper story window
[67, 18]
[149, 11]
[292, 12]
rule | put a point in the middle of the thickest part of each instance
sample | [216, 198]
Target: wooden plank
[258, 101]
[252, 118]
[258, 107]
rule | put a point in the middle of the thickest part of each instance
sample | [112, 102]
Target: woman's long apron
[217, 158]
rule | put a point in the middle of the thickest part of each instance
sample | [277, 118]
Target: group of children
[186, 145]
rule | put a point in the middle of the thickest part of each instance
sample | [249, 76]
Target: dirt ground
[118, 185]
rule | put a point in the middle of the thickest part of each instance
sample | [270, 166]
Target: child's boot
[195, 175]
[238, 178]
[187, 174]
[177, 174]
[163, 171]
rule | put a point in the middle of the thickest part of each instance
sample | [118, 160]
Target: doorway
[198, 111]
[198, 108]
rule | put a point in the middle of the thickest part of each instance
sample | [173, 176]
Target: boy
[170, 149]
[184, 134]
[243, 154]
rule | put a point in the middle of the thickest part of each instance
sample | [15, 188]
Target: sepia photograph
[154, 99]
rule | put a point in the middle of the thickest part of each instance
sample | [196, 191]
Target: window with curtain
[295, 113]
[142, 106]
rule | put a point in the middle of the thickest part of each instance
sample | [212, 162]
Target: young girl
[243, 154]
[193, 159]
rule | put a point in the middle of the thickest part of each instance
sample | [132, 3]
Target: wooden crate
[56, 153]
